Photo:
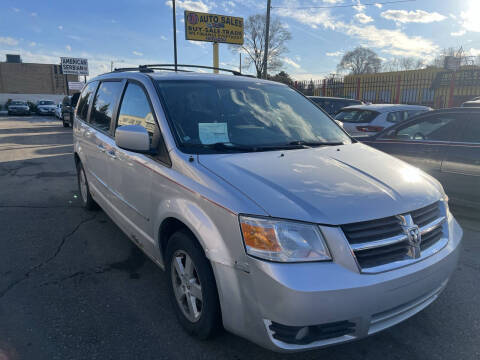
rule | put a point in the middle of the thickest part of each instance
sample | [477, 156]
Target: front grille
[302, 335]
[372, 230]
[426, 215]
[377, 243]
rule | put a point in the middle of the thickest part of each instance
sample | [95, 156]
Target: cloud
[74, 37]
[14, 9]
[335, 53]
[359, 7]
[137, 53]
[378, 5]
[469, 20]
[311, 17]
[68, 48]
[364, 19]
[163, 37]
[8, 41]
[458, 33]
[60, 27]
[34, 14]
[393, 42]
[414, 16]
[333, 1]
[198, 5]
[474, 52]
[33, 43]
[291, 62]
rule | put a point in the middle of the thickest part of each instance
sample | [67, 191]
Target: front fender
[216, 229]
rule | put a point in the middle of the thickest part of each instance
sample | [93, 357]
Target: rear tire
[84, 190]
[198, 285]
[65, 124]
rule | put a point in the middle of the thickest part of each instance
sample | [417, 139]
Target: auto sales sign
[213, 28]
[74, 66]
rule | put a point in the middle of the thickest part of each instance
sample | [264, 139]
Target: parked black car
[444, 143]
[332, 105]
[68, 108]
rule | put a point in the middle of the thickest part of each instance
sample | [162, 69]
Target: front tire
[85, 195]
[65, 124]
[192, 286]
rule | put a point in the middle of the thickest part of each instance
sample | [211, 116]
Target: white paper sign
[211, 133]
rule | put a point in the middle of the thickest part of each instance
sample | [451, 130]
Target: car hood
[328, 185]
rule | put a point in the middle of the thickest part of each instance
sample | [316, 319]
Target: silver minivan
[269, 220]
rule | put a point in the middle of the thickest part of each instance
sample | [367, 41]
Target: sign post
[213, 28]
[215, 57]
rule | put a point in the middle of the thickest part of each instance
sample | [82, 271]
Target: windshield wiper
[316, 143]
[229, 146]
[251, 148]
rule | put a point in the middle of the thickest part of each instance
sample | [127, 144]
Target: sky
[140, 31]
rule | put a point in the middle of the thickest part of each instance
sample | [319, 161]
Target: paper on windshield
[211, 133]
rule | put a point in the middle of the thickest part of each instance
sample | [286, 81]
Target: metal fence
[437, 88]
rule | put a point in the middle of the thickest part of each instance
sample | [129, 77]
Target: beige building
[30, 78]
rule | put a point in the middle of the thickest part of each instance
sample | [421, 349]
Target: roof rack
[168, 67]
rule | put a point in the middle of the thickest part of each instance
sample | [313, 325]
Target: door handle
[101, 148]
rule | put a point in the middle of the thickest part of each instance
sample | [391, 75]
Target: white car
[46, 107]
[367, 120]
[58, 111]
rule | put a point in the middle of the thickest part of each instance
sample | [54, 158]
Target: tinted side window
[104, 104]
[472, 130]
[397, 116]
[85, 99]
[135, 110]
[439, 128]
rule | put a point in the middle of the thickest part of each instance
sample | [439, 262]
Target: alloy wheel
[186, 286]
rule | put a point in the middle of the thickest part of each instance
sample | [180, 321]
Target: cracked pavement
[72, 286]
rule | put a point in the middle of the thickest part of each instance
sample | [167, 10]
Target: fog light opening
[302, 333]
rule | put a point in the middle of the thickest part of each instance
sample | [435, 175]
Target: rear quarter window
[356, 116]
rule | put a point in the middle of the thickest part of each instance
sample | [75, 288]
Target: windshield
[241, 113]
[46, 102]
[18, 103]
[356, 116]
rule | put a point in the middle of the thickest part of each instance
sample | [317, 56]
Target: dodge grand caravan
[267, 217]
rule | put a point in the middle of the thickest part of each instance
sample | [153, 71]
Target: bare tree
[439, 60]
[360, 61]
[254, 42]
[403, 64]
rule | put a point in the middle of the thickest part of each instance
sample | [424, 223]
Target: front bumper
[19, 111]
[46, 111]
[311, 294]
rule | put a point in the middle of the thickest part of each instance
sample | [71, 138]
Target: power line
[343, 6]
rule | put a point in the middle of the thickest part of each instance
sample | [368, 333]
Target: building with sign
[31, 81]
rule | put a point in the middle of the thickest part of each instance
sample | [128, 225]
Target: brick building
[30, 78]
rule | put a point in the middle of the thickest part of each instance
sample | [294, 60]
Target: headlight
[282, 240]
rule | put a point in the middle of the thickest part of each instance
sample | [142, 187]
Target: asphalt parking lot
[72, 286]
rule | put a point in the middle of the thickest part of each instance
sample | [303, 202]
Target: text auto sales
[227, 20]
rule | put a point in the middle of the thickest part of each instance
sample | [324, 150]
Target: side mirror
[133, 138]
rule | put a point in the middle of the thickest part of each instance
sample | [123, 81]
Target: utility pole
[215, 57]
[267, 34]
[240, 67]
[174, 35]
